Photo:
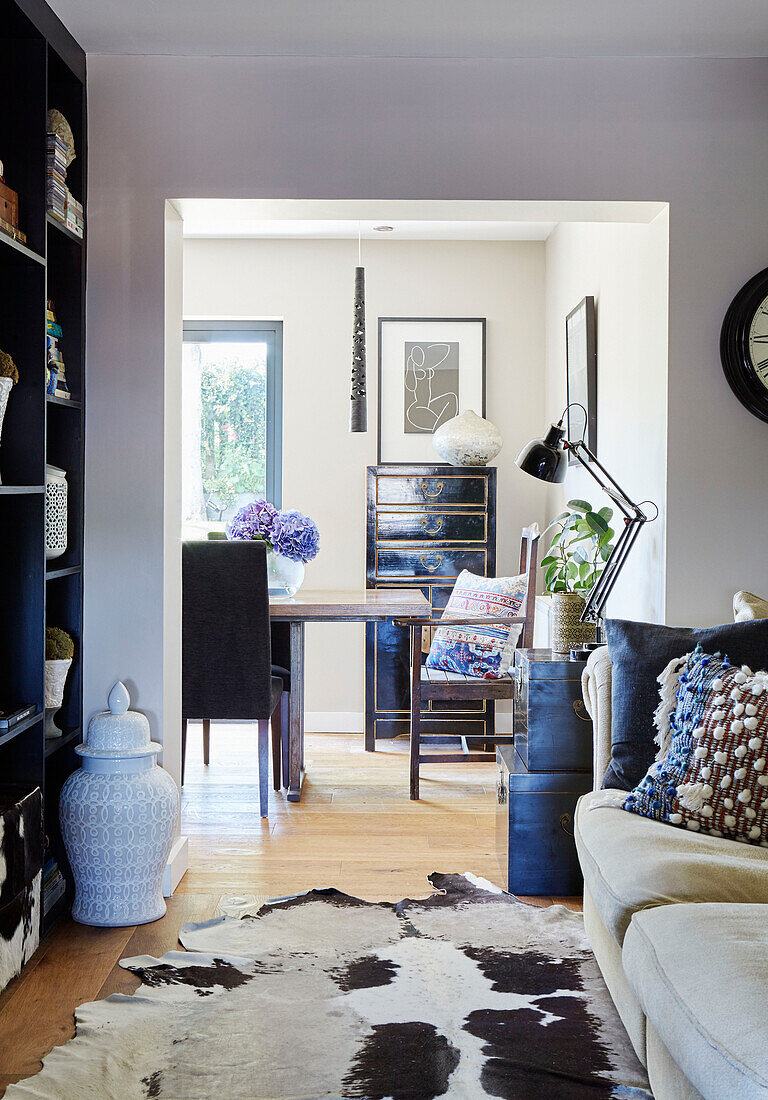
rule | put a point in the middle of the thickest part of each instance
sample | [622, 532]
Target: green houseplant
[59, 651]
[9, 376]
[579, 548]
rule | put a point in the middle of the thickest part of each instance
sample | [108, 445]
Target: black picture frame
[429, 460]
[738, 367]
[581, 373]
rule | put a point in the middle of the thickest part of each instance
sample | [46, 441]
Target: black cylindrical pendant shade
[545, 458]
[358, 409]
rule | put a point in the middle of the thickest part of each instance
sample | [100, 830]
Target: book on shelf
[56, 176]
[55, 376]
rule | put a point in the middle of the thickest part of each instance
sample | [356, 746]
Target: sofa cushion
[632, 863]
[700, 973]
[639, 653]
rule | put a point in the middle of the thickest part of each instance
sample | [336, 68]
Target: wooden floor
[355, 829]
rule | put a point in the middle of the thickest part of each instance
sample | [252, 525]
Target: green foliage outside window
[233, 439]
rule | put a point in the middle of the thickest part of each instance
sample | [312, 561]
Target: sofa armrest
[596, 689]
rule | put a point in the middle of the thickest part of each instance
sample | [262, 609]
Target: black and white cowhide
[21, 846]
[467, 993]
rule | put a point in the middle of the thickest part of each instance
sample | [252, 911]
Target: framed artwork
[581, 360]
[430, 370]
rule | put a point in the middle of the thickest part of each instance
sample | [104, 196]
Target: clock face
[758, 342]
[744, 345]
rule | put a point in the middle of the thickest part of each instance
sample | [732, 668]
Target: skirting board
[334, 721]
[177, 865]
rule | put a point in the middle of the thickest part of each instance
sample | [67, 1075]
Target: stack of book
[56, 177]
[75, 217]
[56, 380]
[54, 885]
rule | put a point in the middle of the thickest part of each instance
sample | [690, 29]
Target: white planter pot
[467, 440]
[6, 385]
[56, 673]
[284, 577]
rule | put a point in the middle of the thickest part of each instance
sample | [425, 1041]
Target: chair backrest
[529, 559]
[226, 652]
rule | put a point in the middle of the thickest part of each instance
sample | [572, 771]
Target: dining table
[363, 605]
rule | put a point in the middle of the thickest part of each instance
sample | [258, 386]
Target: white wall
[693, 133]
[308, 284]
[625, 268]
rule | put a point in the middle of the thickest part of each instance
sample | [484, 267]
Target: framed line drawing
[430, 370]
[581, 366]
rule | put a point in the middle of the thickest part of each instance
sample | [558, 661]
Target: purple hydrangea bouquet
[292, 540]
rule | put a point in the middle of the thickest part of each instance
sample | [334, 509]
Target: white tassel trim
[691, 796]
[669, 681]
[609, 800]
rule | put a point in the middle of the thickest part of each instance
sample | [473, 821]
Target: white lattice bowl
[55, 512]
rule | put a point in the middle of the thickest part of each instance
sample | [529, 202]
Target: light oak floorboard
[355, 829]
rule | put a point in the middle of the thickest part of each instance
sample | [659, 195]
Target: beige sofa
[678, 922]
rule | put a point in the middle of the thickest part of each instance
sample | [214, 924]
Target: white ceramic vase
[117, 818]
[284, 576]
[467, 440]
[56, 673]
[6, 385]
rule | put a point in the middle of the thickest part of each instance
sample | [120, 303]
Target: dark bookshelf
[41, 67]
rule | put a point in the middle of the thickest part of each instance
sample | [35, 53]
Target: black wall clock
[744, 345]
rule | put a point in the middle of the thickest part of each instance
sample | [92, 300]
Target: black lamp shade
[545, 458]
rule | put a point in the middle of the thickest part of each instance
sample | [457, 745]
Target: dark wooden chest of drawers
[425, 524]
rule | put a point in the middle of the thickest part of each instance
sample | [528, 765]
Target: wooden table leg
[296, 714]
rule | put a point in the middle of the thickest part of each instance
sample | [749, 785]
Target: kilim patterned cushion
[710, 773]
[484, 651]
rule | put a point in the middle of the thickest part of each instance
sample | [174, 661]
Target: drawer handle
[430, 493]
[565, 821]
[434, 566]
[580, 710]
[432, 530]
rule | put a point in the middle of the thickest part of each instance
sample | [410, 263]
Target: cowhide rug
[467, 993]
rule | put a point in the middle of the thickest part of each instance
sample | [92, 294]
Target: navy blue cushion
[639, 653]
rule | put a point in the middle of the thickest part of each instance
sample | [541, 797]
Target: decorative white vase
[55, 512]
[56, 673]
[467, 440]
[6, 385]
[117, 818]
[284, 576]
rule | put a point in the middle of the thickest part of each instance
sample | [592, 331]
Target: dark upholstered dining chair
[226, 645]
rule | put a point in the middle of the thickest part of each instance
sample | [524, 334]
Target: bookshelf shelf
[22, 249]
[68, 571]
[21, 727]
[61, 228]
[53, 744]
[41, 68]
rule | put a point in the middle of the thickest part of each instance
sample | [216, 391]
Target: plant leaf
[606, 513]
[580, 505]
[596, 522]
[548, 560]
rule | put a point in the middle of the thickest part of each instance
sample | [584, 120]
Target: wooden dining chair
[432, 684]
[226, 645]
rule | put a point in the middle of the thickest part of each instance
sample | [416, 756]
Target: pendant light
[358, 409]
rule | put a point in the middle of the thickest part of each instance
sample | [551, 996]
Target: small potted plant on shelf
[9, 376]
[59, 651]
[580, 547]
[292, 540]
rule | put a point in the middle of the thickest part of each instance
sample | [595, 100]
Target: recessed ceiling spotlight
[383, 228]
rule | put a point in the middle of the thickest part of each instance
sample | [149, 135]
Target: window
[232, 397]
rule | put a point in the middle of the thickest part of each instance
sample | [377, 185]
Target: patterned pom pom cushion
[711, 772]
[484, 651]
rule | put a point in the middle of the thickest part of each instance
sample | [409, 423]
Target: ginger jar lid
[118, 732]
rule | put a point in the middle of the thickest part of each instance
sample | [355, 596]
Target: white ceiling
[421, 28]
[414, 219]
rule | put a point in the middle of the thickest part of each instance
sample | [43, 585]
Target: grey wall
[692, 133]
